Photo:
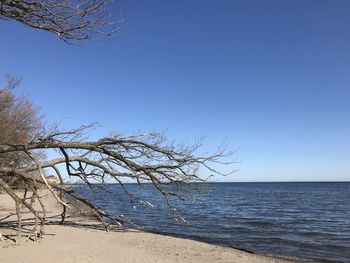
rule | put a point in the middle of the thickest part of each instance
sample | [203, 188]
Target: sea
[309, 221]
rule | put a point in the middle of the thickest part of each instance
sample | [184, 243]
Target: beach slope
[81, 240]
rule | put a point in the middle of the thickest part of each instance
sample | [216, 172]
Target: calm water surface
[306, 220]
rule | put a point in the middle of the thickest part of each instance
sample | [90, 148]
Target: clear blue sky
[270, 77]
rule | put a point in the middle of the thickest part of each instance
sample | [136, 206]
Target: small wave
[294, 219]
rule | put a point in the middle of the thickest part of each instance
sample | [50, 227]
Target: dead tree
[141, 158]
[70, 20]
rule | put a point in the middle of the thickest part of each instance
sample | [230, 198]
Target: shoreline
[222, 245]
[82, 239]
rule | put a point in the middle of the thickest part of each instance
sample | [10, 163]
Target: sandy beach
[82, 240]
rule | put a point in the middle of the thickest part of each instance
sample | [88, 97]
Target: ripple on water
[306, 220]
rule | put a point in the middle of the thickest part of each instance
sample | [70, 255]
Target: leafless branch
[143, 158]
[70, 20]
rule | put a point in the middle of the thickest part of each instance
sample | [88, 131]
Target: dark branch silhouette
[70, 20]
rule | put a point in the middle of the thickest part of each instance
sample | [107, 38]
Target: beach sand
[82, 240]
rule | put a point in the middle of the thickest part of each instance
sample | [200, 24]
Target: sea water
[305, 220]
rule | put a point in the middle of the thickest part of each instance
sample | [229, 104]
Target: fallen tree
[141, 158]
